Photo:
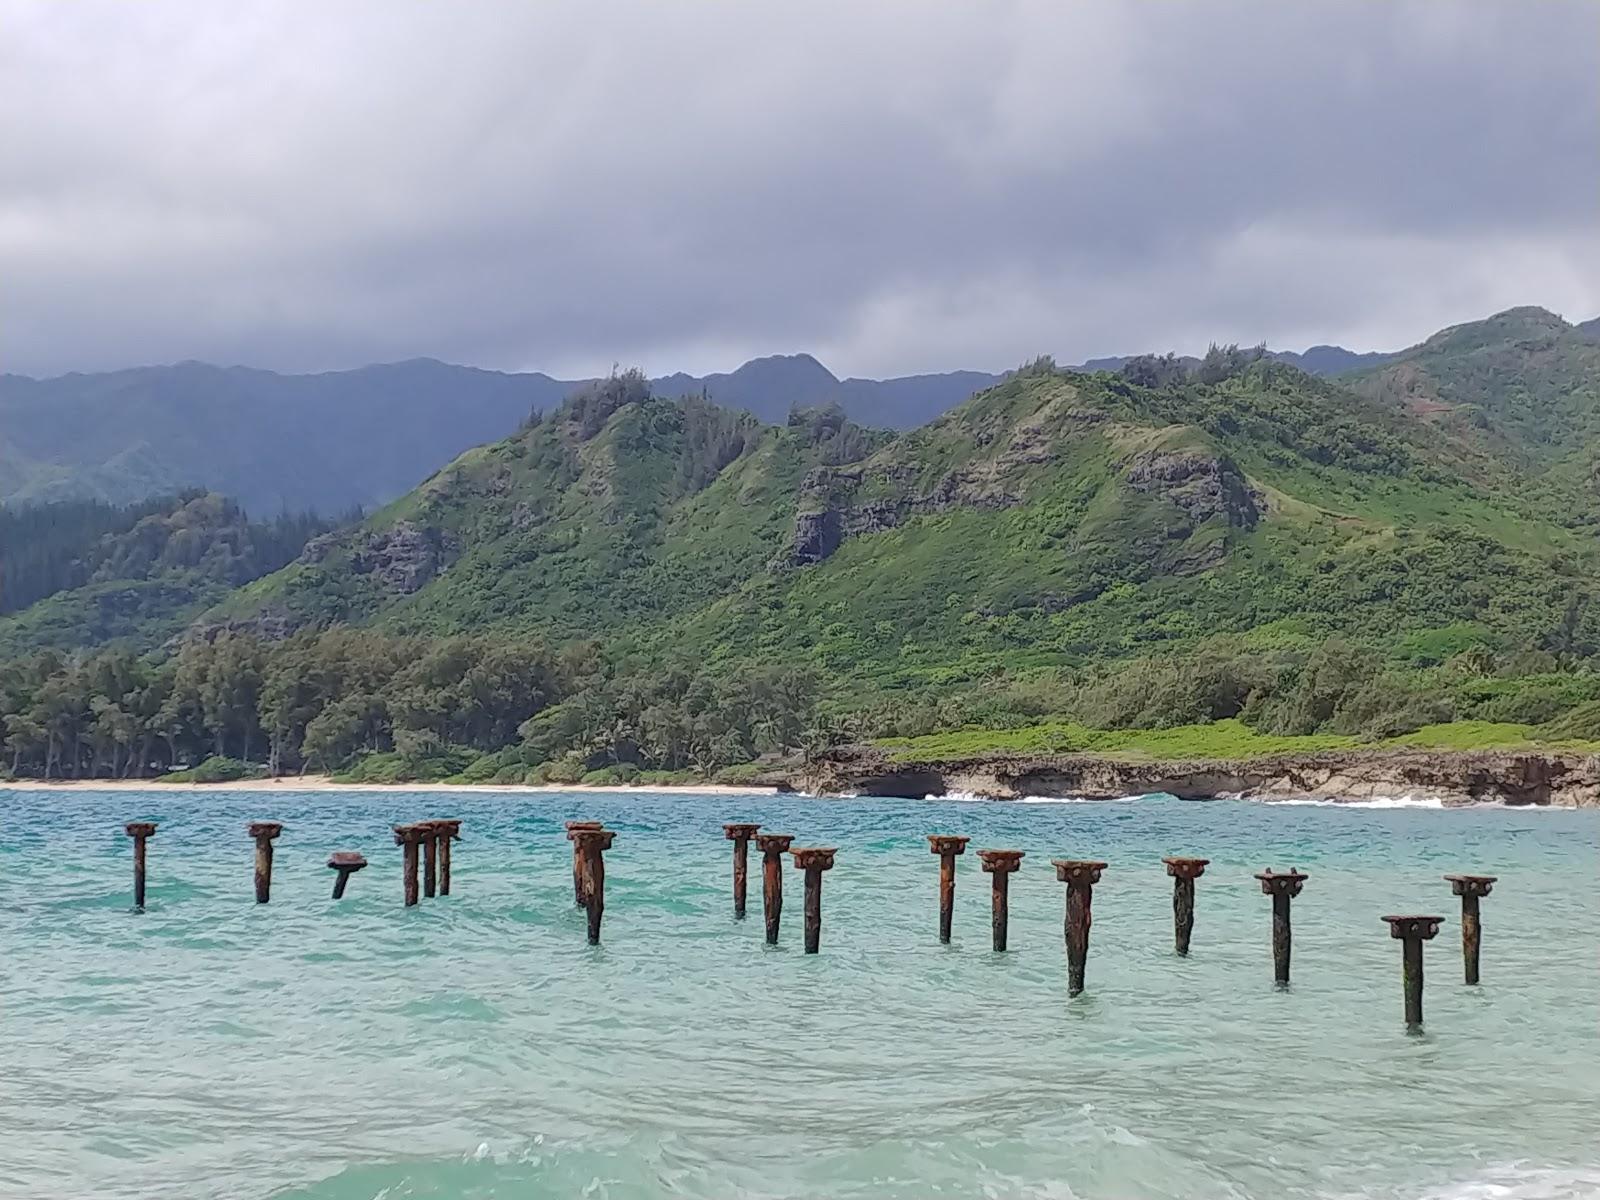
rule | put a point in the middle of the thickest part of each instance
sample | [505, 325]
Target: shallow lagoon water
[475, 1046]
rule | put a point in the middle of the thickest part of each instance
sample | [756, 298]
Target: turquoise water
[476, 1047]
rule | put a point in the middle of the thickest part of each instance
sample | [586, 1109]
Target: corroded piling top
[265, 829]
[412, 834]
[739, 831]
[1471, 885]
[449, 827]
[819, 857]
[773, 843]
[942, 844]
[1186, 868]
[1079, 871]
[346, 860]
[140, 829]
[1001, 862]
[575, 826]
[593, 839]
[1421, 928]
[1281, 883]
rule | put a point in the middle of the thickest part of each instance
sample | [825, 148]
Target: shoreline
[322, 783]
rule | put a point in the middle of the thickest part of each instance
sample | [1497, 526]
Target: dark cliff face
[1203, 485]
[1453, 777]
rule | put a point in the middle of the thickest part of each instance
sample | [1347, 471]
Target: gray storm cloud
[894, 187]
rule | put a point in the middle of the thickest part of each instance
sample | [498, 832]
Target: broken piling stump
[773, 846]
[740, 834]
[263, 832]
[1184, 872]
[140, 832]
[814, 860]
[409, 839]
[346, 863]
[1411, 932]
[591, 845]
[999, 865]
[1471, 888]
[947, 847]
[1282, 887]
[573, 827]
[1080, 876]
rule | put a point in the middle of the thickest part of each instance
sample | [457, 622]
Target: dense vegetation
[75, 574]
[1228, 550]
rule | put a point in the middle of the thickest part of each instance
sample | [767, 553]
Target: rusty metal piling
[773, 846]
[449, 830]
[814, 861]
[140, 832]
[263, 832]
[946, 847]
[1282, 887]
[409, 839]
[1411, 932]
[1080, 876]
[740, 834]
[591, 845]
[574, 828]
[999, 865]
[430, 858]
[346, 863]
[1184, 872]
[1471, 888]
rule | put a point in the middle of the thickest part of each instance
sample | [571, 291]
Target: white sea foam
[1371, 802]
[1523, 1182]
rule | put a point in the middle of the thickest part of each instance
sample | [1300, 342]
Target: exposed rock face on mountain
[1475, 777]
[1202, 485]
[404, 557]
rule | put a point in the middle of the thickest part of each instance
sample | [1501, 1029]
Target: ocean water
[476, 1047]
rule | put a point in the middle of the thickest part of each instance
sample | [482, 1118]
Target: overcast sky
[893, 187]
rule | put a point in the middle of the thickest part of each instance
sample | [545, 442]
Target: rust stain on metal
[577, 859]
[1184, 872]
[740, 834]
[1411, 932]
[773, 847]
[1282, 886]
[947, 847]
[140, 832]
[814, 860]
[409, 839]
[999, 866]
[346, 863]
[1471, 888]
[590, 845]
[1080, 876]
[263, 832]
[449, 830]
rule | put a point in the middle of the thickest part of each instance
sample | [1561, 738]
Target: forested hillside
[633, 582]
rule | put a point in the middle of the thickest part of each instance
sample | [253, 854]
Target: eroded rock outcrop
[1203, 485]
[404, 557]
[1454, 777]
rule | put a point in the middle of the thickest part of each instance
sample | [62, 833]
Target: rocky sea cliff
[1555, 778]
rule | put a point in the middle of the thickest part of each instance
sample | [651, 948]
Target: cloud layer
[895, 187]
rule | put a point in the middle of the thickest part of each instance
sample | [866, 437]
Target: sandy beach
[321, 783]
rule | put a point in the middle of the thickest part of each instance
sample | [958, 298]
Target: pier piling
[430, 858]
[1411, 932]
[773, 846]
[740, 835]
[1471, 888]
[814, 861]
[1080, 876]
[590, 846]
[999, 864]
[409, 838]
[573, 828]
[1282, 887]
[1184, 872]
[449, 831]
[346, 863]
[263, 832]
[947, 847]
[140, 832]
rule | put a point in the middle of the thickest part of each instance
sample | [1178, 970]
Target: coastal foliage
[633, 583]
